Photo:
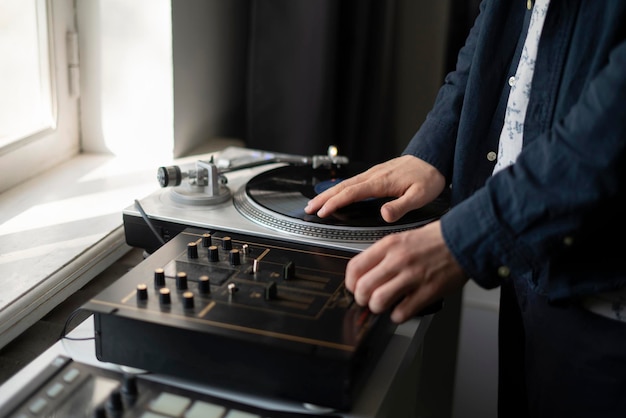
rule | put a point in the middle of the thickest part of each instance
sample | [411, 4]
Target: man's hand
[410, 270]
[412, 181]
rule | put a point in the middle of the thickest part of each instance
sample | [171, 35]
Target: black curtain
[320, 74]
[462, 16]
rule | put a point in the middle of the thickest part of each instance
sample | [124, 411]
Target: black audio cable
[149, 222]
[64, 331]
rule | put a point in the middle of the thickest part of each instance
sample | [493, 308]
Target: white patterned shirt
[512, 135]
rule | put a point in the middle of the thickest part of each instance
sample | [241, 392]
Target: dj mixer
[244, 312]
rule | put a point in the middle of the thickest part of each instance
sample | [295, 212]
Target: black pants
[558, 360]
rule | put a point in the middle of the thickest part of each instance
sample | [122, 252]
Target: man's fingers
[342, 194]
[363, 274]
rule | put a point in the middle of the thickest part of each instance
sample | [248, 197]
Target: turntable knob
[142, 292]
[181, 280]
[188, 300]
[159, 278]
[214, 254]
[235, 259]
[206, 240]
[192, 250]
[227, 243]
[204, 285]
[169, 176]
[164, 296]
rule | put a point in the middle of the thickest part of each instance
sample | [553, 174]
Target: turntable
[263, 194]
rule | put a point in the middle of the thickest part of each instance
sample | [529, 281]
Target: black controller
[67, 388]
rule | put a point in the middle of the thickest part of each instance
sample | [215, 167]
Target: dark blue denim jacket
[556, 217]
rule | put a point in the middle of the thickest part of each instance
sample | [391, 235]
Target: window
[38, 112]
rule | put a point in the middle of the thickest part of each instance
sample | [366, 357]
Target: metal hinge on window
[73, 64]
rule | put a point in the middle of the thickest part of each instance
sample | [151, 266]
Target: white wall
[126, 77]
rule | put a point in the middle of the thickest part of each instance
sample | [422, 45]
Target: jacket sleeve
[435, 141]
[556, 204]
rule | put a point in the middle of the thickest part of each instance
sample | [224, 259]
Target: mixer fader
[248, 313]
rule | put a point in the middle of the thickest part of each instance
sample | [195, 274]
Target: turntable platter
[277, 197]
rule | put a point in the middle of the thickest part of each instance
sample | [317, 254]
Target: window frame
[31, 155]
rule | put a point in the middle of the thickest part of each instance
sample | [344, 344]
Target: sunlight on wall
[127, 87]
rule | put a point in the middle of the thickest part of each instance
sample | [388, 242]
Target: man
[529, 132]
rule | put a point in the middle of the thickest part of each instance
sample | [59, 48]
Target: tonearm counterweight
[206, 184]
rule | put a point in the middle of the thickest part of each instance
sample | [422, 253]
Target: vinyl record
[277, 197]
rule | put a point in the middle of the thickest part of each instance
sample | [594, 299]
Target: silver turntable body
[224, 204]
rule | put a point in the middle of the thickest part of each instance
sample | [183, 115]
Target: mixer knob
[214, 254]
[289, 271]
[204, 285]
[142, 292]
[206, 240]
[159, 278]
[227, 243]
[181, 280]
[188, 300]
[192, 250]
[164, 296]
[235, 259]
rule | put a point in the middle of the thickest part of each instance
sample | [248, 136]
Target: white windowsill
[59, 230]
[62, 228]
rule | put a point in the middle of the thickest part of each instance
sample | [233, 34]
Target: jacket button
[512, 81]
[504, 271]
[491, 156]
